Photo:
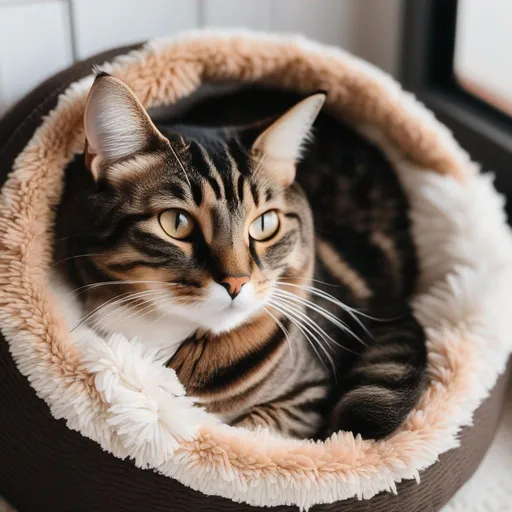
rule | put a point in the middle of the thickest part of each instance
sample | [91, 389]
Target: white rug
[490, 489]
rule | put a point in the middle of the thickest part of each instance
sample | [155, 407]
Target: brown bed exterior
[44, 466]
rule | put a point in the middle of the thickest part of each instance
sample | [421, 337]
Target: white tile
[24, 1]
[103, 24]
[377, 34]
[327, 21]
[34, 44]
[368, 28]
[255, 14]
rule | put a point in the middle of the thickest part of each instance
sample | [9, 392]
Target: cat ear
[281, 145]
[116, 124]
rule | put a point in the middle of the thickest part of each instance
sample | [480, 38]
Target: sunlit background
[483, 50]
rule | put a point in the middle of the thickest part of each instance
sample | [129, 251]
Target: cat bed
[98, 424]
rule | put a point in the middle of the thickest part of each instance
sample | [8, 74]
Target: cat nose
[233, 284]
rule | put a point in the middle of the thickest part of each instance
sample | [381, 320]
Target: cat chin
[228, 321]
[171, 324]
[218, 314]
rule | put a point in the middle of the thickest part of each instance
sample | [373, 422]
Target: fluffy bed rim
[114, 392]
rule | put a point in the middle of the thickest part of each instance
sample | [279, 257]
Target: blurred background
[38, 38]
[453, 54]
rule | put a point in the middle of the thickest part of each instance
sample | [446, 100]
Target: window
[457, 59]
[483, 51]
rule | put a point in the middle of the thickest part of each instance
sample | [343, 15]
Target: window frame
[427, 70]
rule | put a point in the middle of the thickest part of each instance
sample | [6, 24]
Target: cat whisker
[323, 312]
[282, 327]
[85, 288]
[150, 308]
[293, 307]
[118, 299]
[113, 300]
[85, 233]
[73, 257]
[330, 298]
[327, 314]
[259, 164]
[324, 294]
[300, 316]
[157, 294]
[181, 164]
[307, 333]
[310, 280]
[162, 316]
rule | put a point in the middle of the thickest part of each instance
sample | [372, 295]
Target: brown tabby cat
[196, 238]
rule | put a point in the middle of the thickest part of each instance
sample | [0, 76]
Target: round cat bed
[95, 424]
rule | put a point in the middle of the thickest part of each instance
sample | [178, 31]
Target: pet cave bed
[98, 425]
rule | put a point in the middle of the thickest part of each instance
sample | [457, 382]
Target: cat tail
[386, 381]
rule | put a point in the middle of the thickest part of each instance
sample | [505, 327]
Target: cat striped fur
[197, 237]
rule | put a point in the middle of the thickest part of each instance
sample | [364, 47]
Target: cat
[272, 270]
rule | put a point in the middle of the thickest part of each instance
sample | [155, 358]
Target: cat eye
[265, 226]
[177, 223]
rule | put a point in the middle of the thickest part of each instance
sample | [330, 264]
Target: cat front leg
[258, 417]
[290, 420]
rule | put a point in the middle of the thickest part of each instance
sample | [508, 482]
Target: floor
[490, 489]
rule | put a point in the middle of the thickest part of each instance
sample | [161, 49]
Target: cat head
[211, 219]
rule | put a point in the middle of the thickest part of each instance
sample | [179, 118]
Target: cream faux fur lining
[116, 393]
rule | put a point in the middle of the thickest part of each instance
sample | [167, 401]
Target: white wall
[39, 37]
[483, 54]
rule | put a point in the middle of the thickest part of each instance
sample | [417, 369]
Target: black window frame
[427, 70]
